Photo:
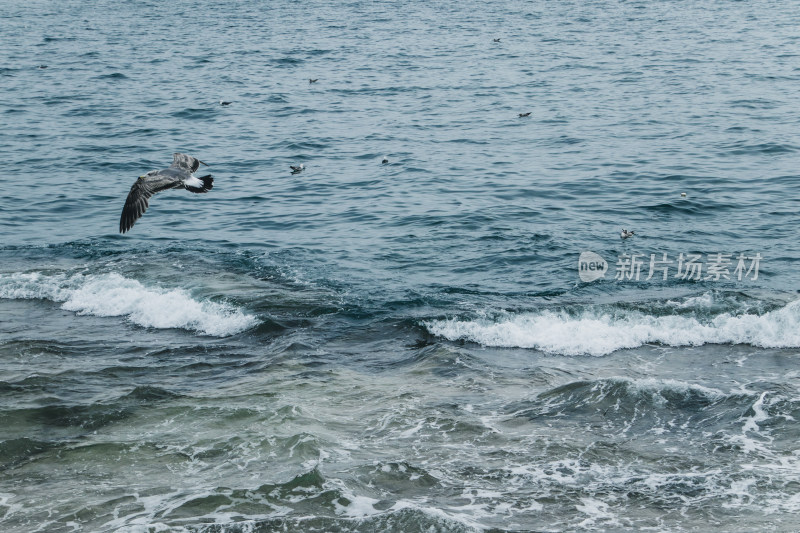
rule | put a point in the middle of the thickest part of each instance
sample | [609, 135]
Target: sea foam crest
[593, 331]
[115, 295]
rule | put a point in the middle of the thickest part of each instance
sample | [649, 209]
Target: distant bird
[683, 195]
[496, 40]
[625, 234]
[297, 168]
[42, 66]
[523, 115]
[225, 102]
[385, 160]
[315, 80]
[179, 175]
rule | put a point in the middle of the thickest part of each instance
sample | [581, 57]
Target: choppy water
[401, 347]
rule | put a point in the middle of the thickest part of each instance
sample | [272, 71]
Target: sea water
[412, 346]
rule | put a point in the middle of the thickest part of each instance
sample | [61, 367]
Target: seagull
[315, 80]
[297, 168]
[496, 40]
[625, 234]
[523, 115]
[385, 160]
[179, 175]
[225, 102]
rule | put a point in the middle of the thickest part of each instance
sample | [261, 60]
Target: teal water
[404, 346]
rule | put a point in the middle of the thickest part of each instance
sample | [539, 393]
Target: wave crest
[115, 295]
[597, 331]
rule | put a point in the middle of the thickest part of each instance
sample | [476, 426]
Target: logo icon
[591, 266]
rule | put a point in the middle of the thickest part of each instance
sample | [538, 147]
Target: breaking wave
[115, 295]
[598, 331]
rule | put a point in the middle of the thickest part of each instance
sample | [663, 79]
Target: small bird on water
[315, 80]
[625, 234]
[385, 160]
[297, 168]
[179, 175]
[225, 102]
[496, 40]
[523, 115]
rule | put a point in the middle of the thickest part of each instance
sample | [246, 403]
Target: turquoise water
[404, 346]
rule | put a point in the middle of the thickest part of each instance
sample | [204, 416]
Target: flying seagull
[625, 234]
[523, 115]
[179, 175]
[297, 168]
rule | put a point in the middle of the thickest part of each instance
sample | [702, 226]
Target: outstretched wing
[138, 199]
[185, 162]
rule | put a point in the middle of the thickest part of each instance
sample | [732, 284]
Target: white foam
[596, 511]
[759, 415]
[704, 300]
[454, 515]
[358, 506]
[115, 295]
[10, 508]
[659, 385]
[598, 332]
[34, 285]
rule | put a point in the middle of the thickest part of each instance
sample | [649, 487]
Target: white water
[598, 332]
[111, 294]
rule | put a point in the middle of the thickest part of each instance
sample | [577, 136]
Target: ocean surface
[458, 340]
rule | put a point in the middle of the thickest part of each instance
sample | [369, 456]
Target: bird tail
[207, 184]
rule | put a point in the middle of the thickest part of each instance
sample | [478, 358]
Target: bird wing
[138, 199]
[185, 162]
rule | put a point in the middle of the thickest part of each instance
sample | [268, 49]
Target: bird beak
[201, 162]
